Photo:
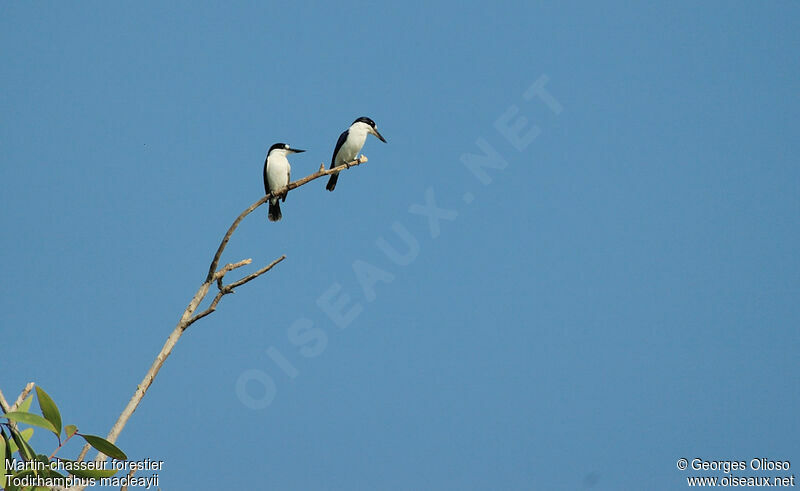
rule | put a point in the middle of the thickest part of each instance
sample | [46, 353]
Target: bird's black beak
[294, 150]
[381, 138]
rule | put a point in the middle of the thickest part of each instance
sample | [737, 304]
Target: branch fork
[214, 275]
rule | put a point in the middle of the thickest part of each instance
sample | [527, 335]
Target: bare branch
[253, 276]
[188, 317]
[7, 409]
[129, 476]
[22, 395]
[211, 308]
[231, 230]
[226, 289]
[292, 185]
[4, 404]
[231, 267]
[141, 389]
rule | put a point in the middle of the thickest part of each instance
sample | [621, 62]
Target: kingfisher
[350, 142]
[276, 176]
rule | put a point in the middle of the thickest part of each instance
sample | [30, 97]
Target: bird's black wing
[339, 143]
[266, 181]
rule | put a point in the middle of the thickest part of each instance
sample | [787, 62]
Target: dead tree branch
[214, 275]
[7, 408]
[292, 185]
[22, 395]
[4, 404]
[13, 407]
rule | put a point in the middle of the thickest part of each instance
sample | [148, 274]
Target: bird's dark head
[364, 119]
[285, 148]
[371, 127]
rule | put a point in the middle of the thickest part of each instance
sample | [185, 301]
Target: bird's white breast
[352, 145]
[278, 170]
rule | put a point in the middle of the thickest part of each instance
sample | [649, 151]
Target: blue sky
[621, 294]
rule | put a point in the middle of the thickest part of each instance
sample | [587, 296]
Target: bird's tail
[274, 211]
[332, 182]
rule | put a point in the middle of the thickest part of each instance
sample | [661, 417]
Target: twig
[61, 444]
[22, 395]
[4, 403]
[13, 407]
[188, 317]
[129, 476]
[253, 276]
[230, 267]
[321, 172]
[226, 289]
[7, 409]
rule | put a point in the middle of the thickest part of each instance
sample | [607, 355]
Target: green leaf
[45, 465]
[22, 475]
[70, 430]
[19, 475]
[31, 419]
[3, 446]
[49, 409]
[54, 473]
[25, 450]
[9, 442]
[105, 447]
[26, 435]
[26, 404]
[48, 472]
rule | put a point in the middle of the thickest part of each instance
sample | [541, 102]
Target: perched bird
[349, 144]
[276, 175]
